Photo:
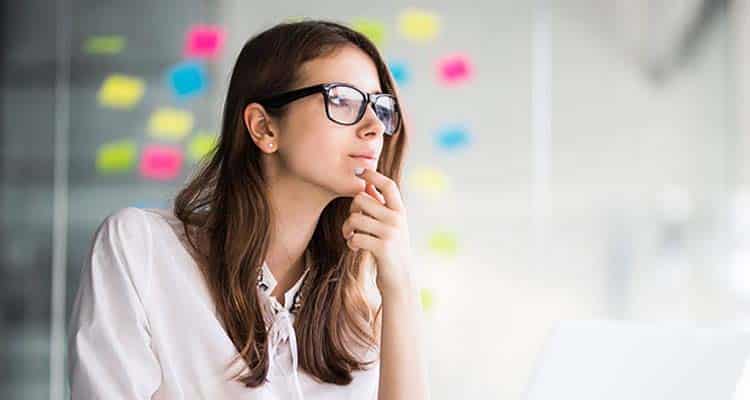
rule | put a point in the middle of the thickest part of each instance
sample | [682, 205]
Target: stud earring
[270, 145]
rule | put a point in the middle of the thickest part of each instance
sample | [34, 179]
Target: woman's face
[316, 150]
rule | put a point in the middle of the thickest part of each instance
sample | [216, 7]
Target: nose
[370, 123]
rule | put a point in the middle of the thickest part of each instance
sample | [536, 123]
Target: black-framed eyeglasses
[345, 104]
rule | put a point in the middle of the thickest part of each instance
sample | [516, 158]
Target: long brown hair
[227, 217]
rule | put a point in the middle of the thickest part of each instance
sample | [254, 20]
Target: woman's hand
[377, 223]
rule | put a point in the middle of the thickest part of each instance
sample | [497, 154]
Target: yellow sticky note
[443, 243]
[201, 145]
[116, 156]
[111, 44]
[429, 179]
[427, 299]
[121, 91]
[170, 123]
[418, 25]
[374, 30]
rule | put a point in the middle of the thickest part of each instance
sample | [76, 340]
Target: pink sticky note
[454, 69]
[161, 162]
[204, 41]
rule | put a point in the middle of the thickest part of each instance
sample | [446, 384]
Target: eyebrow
[358, 87]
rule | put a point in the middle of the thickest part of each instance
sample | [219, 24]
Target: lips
[370, 155]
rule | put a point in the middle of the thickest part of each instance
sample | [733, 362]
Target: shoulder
[123, 224]
[133, 225]
[124, 235]
[121, 251]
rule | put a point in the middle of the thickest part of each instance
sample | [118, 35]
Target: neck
[296, 209]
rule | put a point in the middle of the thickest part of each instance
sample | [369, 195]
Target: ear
[260, 127]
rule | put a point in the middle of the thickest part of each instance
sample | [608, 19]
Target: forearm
[402, 373]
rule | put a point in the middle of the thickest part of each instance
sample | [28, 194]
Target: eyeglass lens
[345, 105]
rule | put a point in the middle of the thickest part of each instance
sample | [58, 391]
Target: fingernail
[359, 170]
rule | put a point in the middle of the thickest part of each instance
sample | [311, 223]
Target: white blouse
[144, 326]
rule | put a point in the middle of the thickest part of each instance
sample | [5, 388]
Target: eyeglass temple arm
[284, 98]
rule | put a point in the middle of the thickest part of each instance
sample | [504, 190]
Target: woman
[283, 270]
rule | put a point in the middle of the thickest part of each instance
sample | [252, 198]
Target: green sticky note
[427, 298]
[293, 19]
[112, 44]
[116, 157]
[374, 30]
[201, 145]
[443, 243]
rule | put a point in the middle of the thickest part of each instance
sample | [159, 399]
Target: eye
[344, 101]
[344, 94]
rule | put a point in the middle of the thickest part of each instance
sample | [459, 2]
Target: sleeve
[109, 349]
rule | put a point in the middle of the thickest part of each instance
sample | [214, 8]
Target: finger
[364, 202]
[386, 186]
[361, 241]
[370, 189]
[360, 223]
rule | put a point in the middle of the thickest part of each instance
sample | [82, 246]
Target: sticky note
[453, 137]
[204, 41]
[454, 69]
[374, 30]
[121, 91]
[170, 123]
[116, 157]
[418, 25]
[400, 71]
[443, 242]
[428, 179]
[159, 162]
[187, 79]
[111, 44]
[201, 145]
[293, 19]
[427, 298]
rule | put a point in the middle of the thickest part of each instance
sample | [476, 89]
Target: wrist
[404, 289]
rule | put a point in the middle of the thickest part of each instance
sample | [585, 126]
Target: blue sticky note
[400, 71]
[453, 137]
[187, 79]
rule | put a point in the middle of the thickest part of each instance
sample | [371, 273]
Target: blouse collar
[279, 321]
[267, 282]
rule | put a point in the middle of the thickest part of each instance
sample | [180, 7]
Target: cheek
[318, 148]
[319, 152]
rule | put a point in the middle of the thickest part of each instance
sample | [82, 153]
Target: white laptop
[621, 360]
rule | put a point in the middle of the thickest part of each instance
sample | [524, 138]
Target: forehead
[347, 64]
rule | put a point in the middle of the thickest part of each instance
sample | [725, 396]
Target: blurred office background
[570, 159]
